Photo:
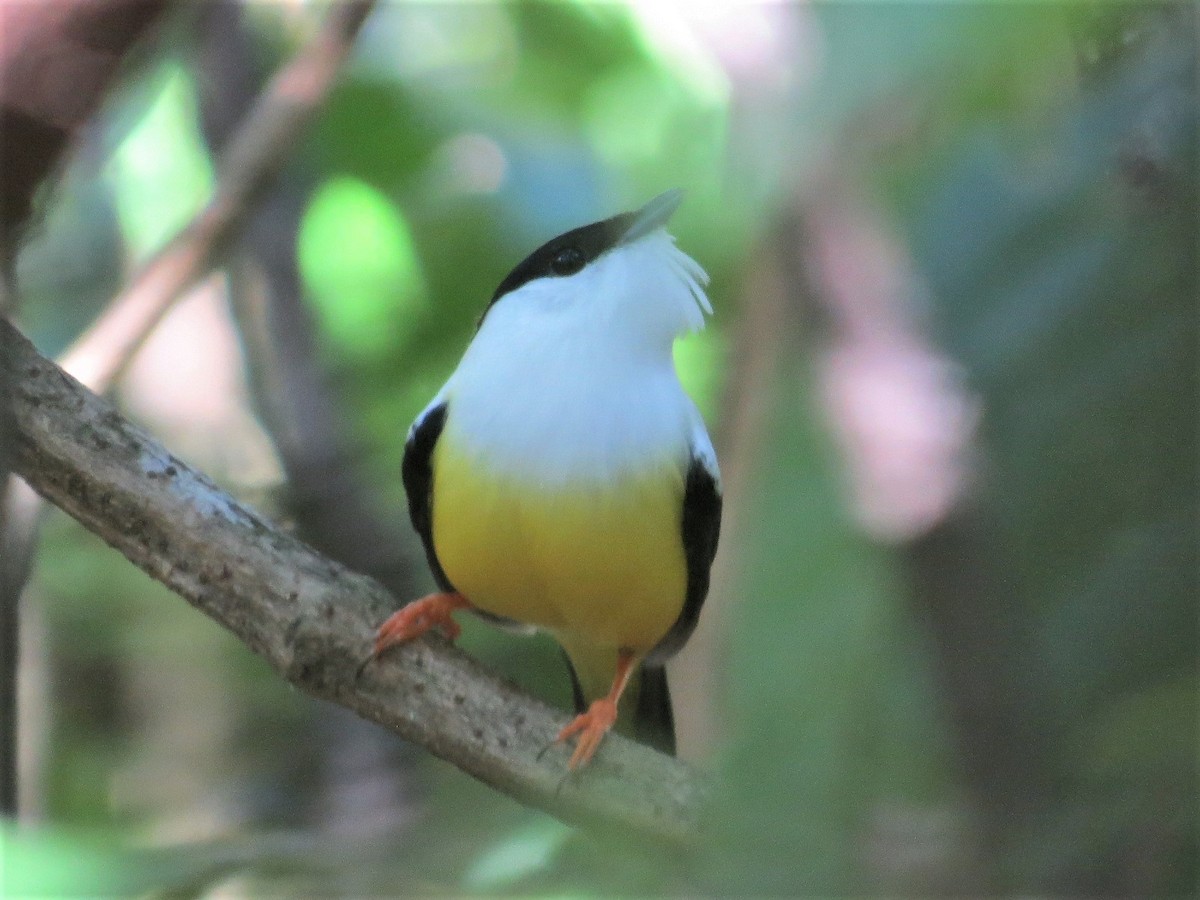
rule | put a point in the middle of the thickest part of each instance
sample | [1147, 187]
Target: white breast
[571, 380]
[555, 413]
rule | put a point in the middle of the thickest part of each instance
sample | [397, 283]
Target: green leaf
[521, 853]
[360, 268]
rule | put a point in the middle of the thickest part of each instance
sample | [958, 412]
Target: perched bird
[563, 479]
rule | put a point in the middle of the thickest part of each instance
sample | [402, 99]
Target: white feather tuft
[667, 284]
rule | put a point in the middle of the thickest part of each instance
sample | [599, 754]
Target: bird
[563, 480]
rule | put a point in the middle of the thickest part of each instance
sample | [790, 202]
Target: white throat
[571, 380]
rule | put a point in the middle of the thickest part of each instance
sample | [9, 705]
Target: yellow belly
[604, 566]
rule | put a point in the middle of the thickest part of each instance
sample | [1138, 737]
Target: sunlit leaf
[518, 855]
[160, 173]
[360, 267]
[700, 360]
[46, 863]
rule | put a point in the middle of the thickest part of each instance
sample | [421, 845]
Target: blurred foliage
[48, 864]
[358, 263]
[160, 171]
[1053, 226]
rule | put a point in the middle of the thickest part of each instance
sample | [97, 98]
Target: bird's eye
[567, 261]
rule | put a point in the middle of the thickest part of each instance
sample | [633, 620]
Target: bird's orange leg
[431, 611]
[592, 725]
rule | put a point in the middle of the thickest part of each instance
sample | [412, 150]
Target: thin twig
[254, 155]
[312, 619]
[333, 505]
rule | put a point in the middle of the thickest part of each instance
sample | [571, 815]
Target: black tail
[653, 718]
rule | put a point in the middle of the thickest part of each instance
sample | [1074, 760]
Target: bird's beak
[653, 215]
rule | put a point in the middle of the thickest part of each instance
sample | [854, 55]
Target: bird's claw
[420, 616]
[591, 727]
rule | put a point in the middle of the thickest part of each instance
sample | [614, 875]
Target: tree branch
[312, 619]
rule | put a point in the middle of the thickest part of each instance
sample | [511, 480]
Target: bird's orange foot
[591, 727]
[431, 611]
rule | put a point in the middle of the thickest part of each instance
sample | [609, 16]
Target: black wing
[417, 471]
[701, 526]
[654, 717]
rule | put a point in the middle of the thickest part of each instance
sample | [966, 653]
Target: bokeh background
[952, 378]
